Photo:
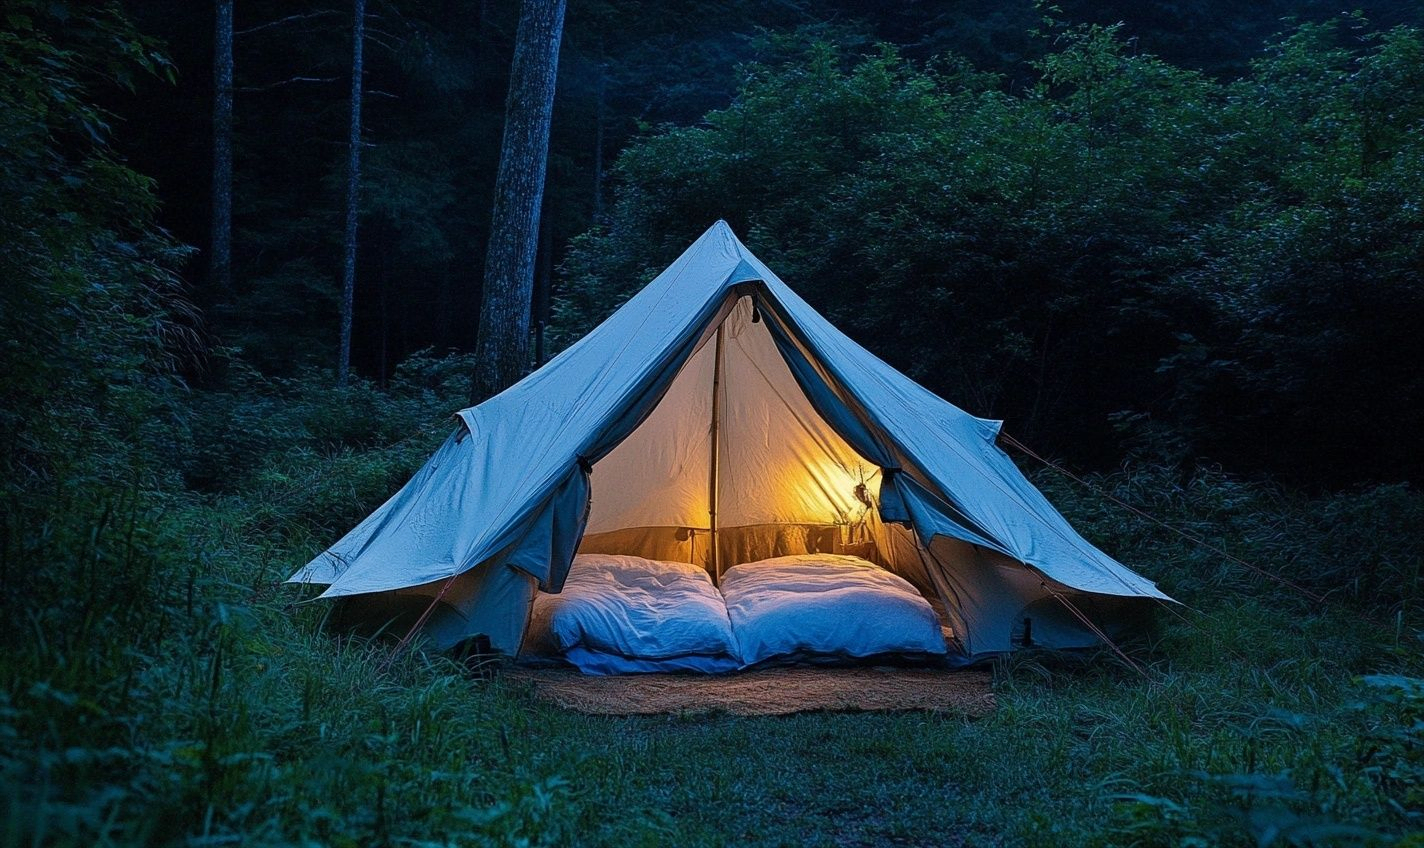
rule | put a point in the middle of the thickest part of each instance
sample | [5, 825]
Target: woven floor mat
[769, 692]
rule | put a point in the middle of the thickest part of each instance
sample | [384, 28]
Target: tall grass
[158, 686]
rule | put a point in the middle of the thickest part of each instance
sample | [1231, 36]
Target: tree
[220, 263]
[1122, 249]
[94, 317]
[502, 350]
[353, 191]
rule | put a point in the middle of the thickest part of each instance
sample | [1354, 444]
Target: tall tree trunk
[502, 351]
[353, 190]
[220, 260]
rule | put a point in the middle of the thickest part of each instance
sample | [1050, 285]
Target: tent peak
[744, 273]
[724, 230]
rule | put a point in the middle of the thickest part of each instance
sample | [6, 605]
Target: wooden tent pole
[715, 555]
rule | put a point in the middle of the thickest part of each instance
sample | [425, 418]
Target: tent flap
[892, 506]
[548, 549]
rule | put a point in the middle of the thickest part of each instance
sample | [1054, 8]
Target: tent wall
[887, 545]
[896, 549]
[493, 602]
[996, 604]
[674, 544]
[735, 544]
[658, 475]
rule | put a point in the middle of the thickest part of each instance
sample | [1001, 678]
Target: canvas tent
[715, 418]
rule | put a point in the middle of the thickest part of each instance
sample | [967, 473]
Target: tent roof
[480, 495]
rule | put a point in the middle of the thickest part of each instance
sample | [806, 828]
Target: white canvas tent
[717, 418]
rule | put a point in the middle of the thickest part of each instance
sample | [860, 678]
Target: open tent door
[779, 477]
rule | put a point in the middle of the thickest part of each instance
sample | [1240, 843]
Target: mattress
[826, 606]
[625, 614]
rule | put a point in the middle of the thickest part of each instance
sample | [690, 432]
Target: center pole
[716, 556]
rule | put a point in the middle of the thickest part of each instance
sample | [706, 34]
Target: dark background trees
[1184, 225]
[95, 324]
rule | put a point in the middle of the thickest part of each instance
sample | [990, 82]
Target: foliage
[177, 699]
[1345, 547]
[1274, 809]
[1120, 237]
[94, 321]
[303, 461]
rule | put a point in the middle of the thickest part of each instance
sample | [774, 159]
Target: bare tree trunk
[353, 190]
[502, 351]
[220, 261]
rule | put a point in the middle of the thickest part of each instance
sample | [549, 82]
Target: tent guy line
[1196, 540]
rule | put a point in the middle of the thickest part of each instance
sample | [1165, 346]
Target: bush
[1236, 258]
[1350, 547]
[94, 320]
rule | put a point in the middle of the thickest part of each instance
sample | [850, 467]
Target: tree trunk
[353, 190]
[502, 351]
[220, 260]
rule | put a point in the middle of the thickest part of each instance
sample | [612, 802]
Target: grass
[158, 687]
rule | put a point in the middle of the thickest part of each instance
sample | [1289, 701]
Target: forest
[1177, 247]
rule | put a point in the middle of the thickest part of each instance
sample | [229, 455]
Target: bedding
[819, 606]
[625, 614]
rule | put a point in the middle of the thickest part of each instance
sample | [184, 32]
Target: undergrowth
[158, 685]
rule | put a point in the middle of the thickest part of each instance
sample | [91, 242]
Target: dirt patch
[768, 692]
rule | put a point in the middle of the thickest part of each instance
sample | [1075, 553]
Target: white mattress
[826, 605]
[621, 614]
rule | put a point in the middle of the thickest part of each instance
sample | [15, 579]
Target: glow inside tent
[716, 418]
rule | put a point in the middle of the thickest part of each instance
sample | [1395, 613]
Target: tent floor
[778, 691]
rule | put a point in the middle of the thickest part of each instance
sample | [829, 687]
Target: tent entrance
[734, 451]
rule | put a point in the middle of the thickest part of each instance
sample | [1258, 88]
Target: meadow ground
[159, 686]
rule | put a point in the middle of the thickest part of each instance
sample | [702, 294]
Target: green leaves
[93, 316]
[1036, 254]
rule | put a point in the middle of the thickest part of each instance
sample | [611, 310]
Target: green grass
[157, 686]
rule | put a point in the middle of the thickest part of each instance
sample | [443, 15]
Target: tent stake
[715, 559]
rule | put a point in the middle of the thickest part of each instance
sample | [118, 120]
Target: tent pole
[715, 555]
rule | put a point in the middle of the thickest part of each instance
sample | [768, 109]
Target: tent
[716, 418]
